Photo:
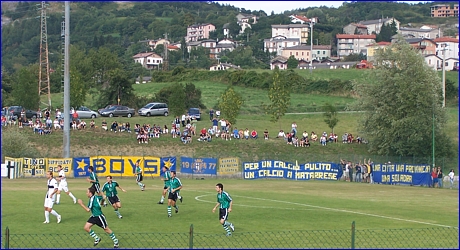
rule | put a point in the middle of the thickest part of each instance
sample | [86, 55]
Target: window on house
[297, 53]
[290, 53]
[148, 60]
[302, 53]
[324, 52]
[319, 52]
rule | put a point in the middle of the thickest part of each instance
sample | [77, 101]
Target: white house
[280, 62]
[348, 44]
[433, 61]
[225, 44]
[451, 63]
[299, 31]
[451, 48]
[278, 43]
[419, 33]
[149, 60]
[299, 19]
[376, 25]
[223, 66]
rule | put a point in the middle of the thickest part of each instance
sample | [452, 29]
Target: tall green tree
[78, 89]
[400, 104]
[25, 88]
[230, 103]
[292, 63]
[176, 101]
[279, 94]
[120, 87]
[330, 116]
[192, 96]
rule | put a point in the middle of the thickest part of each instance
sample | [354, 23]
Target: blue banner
[169, 162]
[293, 171]
[80, 166]
[403, 174]
[198, 165]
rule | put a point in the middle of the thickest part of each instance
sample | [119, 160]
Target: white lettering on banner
[317, 166]
[271, 173]
[251, 166]
[282, 164]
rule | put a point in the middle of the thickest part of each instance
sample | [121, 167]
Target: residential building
[299, 19]
[433, 61]
[373, 48]
[300, 31]
[223, 66]
[355, 28]
[145, 79]
[280, 62]
[197, 32]
[246, 18]
[444, 10]
[452, 50]
[353, 44]
[374, 26]
[224, 45]
[425, 45]
[419, 32]
[303, 52]
[211, 45]
[226, 30]
[278, 43]
[149, 60]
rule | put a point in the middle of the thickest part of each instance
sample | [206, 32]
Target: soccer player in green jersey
[110, 189]
[139, 177]
[166, 179]
[95, 183]
[224, 202]
[97, 217]
[174, 186]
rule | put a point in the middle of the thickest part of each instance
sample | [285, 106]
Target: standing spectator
[75, 116]
[370, 166]
[266, 134]
[440, 177]
[211, 114]
[434, 177]
[350, 171]
[344, 169]
[39, 113]
[217, 114]
[215, 122]
[183, 120]
[294, 129]
[223, 125]
[451, 178]
[358, 169]
[47, 114]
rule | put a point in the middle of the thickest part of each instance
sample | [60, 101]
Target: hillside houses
[349, 44]
[299, 31]
[197, 32]
[148, 60]
[375, 26]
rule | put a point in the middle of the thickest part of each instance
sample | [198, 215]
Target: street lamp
[312, 22]
[444, 45]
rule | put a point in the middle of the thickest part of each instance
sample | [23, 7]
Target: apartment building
[278, 43]
[197, 32]
[300, 31]
[444, 10]
[353, 44]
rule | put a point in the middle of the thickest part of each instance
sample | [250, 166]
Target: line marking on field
[243, 205]
[335, 209]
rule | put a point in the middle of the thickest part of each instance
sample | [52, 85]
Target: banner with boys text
[293, 171]
[66, 163]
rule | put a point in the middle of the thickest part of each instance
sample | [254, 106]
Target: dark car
[15, 111]
[195, 113]
[118, 111]
[106, 107]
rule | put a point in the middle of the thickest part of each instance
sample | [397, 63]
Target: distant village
[291, 40]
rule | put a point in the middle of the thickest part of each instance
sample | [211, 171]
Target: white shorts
[63, 186]
[49, 202]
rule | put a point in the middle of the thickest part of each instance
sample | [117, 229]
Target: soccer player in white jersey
[50, 197]
[63, 186]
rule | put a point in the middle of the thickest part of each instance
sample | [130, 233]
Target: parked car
[15, 111]
[106, 107]
[86, 113]
[118, 111]
[154, 108]
[194, 113]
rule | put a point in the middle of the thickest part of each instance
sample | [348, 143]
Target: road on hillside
[313, 113]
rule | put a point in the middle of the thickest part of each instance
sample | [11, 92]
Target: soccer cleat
[160, 203]
[177, 210]
[232, 227]
[229, 234]
[120, 217]
[57, 203]
[115, 245]
[59, 219]
[169, 215]
[46, 222]
[180, 199]
[75, 201]
[97, 241]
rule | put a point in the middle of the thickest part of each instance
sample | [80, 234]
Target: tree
[330, 116]
[292, 63]
[400, 98]
[388, 30]
[279, 94]
[176, 101]
[230, 103]
[78, 89]
[120, 88]
[192, 96]
[25, 88]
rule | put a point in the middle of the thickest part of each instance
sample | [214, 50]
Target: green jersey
[138, 170]
[93, 177]
[110, 189]
[167, 178]
[95, 206]
[224, 199]
[174, 183]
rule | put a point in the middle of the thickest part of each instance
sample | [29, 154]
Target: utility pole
[444, 45]
[66, 110]
[311, 44]
[44, 71]
[166, 61]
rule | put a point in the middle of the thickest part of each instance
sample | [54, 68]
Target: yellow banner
[34, 167]
[66, 163]
[18, 163]
[230, 165]
[125, 165]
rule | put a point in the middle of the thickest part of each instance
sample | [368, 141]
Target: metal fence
[436, 238]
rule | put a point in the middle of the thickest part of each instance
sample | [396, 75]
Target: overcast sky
[281, 6]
